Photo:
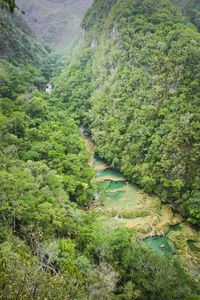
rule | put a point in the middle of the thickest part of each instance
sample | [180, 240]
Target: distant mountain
[56, 22]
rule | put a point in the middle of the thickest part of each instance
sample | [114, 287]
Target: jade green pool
[156, 243]
[109, 173]
[120, 194]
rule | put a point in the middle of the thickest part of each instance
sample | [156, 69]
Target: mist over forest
[100, 149]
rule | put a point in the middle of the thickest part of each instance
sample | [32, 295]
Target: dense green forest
[190, 9]
[133, 83]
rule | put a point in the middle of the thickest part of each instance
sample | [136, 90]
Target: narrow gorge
[100, 150]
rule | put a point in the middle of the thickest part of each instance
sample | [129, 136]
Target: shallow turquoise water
[104, 184]
[126, 197]
[156, 241]
[116, 196]
[98, 161]
[116, 185]
[110, 185]
[119, 194]
[109, 173]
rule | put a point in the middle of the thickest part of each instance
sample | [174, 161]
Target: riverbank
[143, 213]
[146, 215]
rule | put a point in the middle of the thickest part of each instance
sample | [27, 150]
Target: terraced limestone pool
[159, 244]
[118, 194]
[134, 207]
[145, 214]
[162, 230]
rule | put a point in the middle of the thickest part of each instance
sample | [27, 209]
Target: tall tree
[10, 5]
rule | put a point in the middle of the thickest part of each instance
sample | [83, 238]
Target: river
[163, 230]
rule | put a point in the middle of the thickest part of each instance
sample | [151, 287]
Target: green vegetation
[190, 9]
[134, 84]
[18, 43]
[8, 5]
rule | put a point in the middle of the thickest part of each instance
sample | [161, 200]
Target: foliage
[190, 9]
[17, 39]
[52, 246]
[134, 85]
[8, 4]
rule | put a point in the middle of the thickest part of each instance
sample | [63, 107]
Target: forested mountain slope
[190, 9]
[56, 23]
[18, 43]
[135, 84]
[49, 247]
[23, 56]
[43, 165]
[37, 137]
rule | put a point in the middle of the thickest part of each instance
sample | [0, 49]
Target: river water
[145, 214]
[160, 228]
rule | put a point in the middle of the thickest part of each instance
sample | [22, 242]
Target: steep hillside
[23, 59]
[190, 9]
[55, 22]
[135, 84]
[51, 245]
[18, 43]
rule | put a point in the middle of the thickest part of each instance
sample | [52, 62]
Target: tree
[10, 5]
[108, 241]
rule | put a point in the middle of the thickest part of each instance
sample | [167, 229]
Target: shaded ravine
[143, 213]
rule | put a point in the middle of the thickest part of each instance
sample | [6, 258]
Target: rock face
[48, 88]
[55, 22]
